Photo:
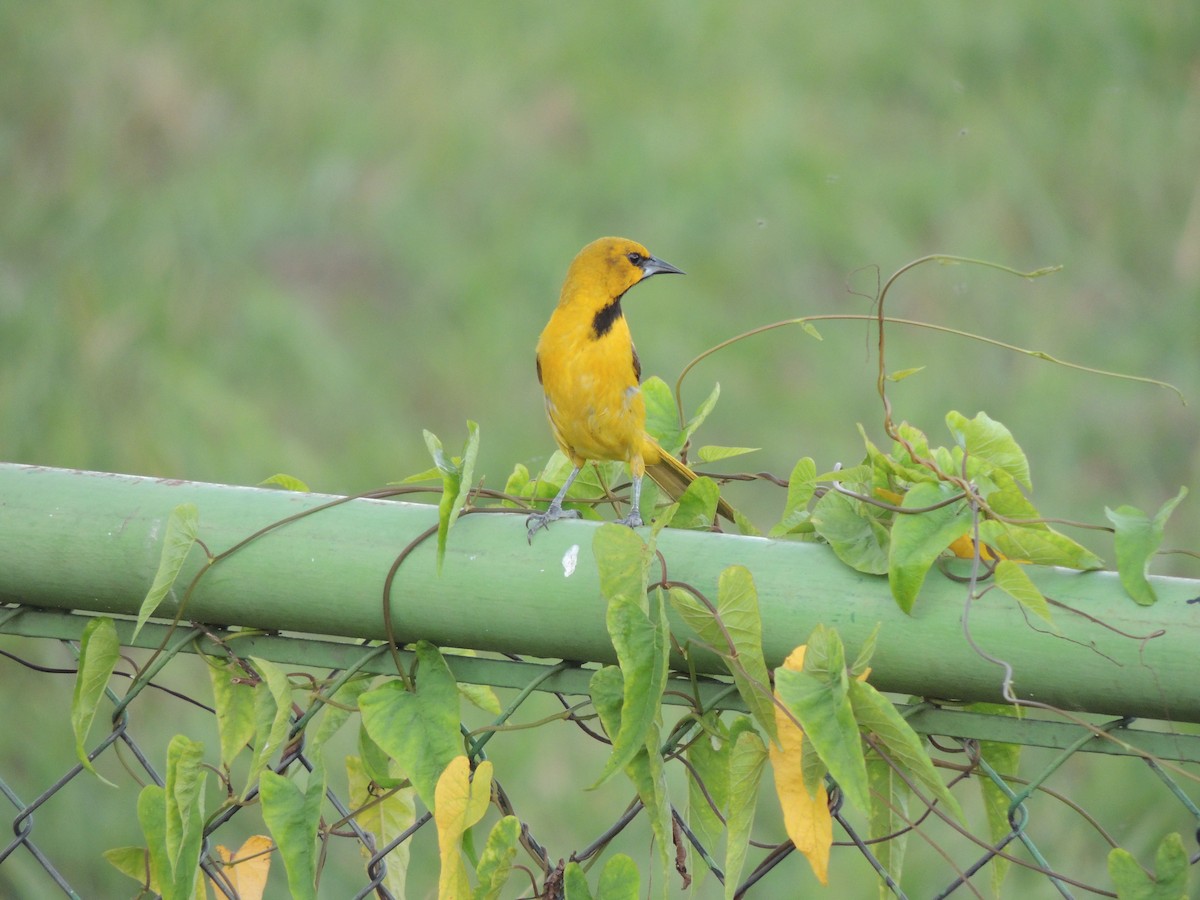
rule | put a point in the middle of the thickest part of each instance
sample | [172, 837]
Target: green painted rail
[91, 541]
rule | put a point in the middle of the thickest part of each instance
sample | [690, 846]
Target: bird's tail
[673, 476]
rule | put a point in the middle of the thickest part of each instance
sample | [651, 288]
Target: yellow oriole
[590, 372]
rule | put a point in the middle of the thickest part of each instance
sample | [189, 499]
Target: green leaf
[292, 816]
[272, 717]
[1037, 544]
[621, 559]
[701, 413]
[1014, 581]
[715, 453]
[801, 484]
[99, 650]
[645, 769]
[662, 416]
[697, 505]
[746, 763]
[920, 538]
[819, 698]
[987, 440]
[517, 484]
[433, 473]
[233, 698]
[708, 777]
[134, 862]
[287, 482]
[575, 886]
[641, 643]
[865, 652]
[151, 812]
[901, 374]
[1003, 759]
[334, 715]
[380, 767]
[1170, 878]
[858, 538]
[184, 806]
[457, 475]
[619, 879]
[876, 714]
[498, 854]
[172, 820]
[735, 633]
[888, 819]
[385, 818]
[1136, 541]
[419, 729]
[183, 524]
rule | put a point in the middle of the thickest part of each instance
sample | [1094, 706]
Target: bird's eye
[636, 258]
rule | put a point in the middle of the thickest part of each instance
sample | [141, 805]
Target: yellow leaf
[889, 496]
[964, 548]
[247, 870]
[458, 803]
[805, 817]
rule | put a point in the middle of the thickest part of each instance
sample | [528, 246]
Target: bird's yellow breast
[593, 399]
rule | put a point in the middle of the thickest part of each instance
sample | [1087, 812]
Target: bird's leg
[555, 510]
[634, 519]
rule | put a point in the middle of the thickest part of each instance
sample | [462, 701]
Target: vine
[834, 744]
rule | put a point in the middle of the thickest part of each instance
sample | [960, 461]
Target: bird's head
[614, 265]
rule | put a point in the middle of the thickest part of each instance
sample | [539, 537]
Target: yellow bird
[590, 372]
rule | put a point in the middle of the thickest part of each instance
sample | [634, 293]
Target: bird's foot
[538, 521]
[633, 520]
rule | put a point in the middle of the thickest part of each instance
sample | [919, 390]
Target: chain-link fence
[1071, 795]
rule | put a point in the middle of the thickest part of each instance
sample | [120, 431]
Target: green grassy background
[237, 239]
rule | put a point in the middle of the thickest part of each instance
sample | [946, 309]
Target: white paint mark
[570, 559]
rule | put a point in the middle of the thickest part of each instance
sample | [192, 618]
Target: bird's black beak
[652, 265]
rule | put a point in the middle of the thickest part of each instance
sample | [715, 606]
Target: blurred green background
[238, 239]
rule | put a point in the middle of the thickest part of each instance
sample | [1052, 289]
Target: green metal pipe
[91, 541]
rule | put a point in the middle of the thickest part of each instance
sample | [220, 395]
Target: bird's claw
[537, 521]
[633, 520]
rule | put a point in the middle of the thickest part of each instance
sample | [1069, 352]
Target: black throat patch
[602, 322]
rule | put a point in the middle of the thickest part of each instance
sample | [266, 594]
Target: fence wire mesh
[1071, 800]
